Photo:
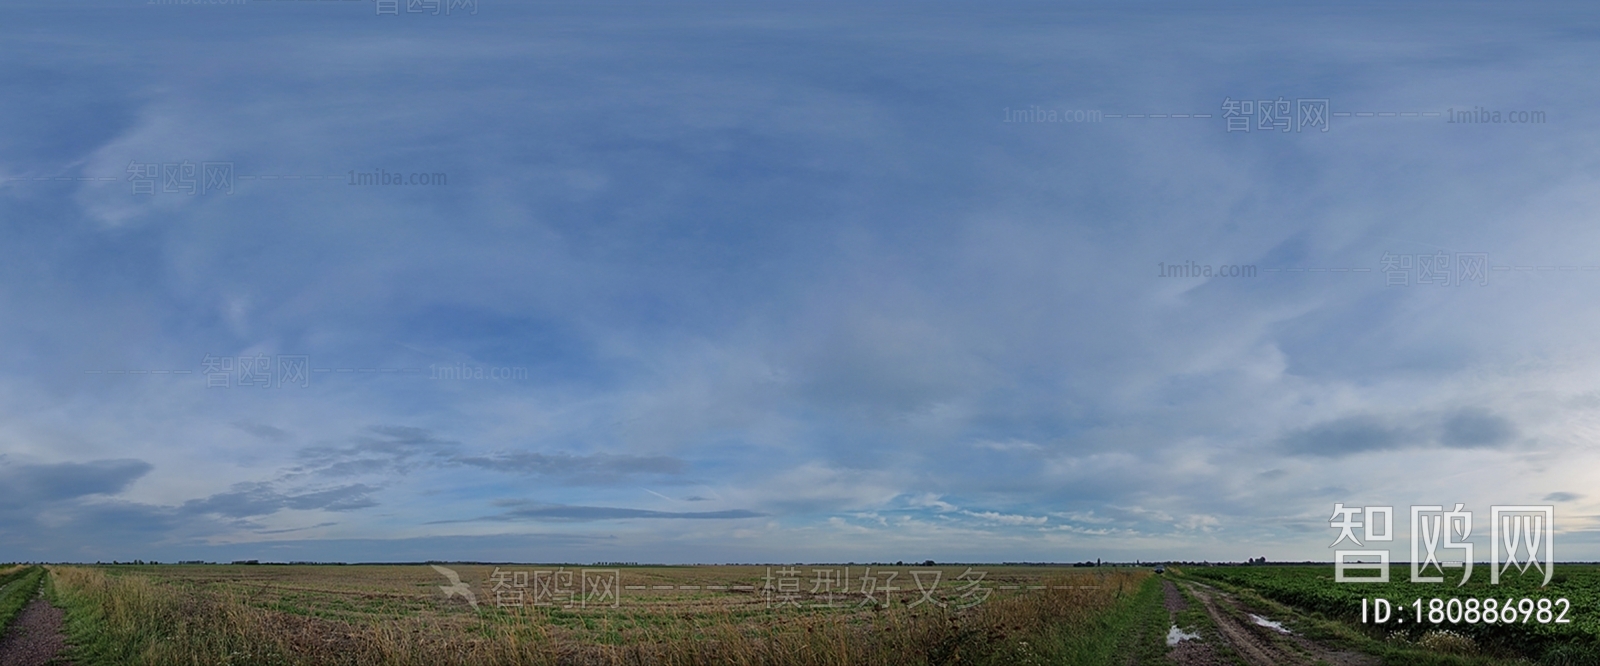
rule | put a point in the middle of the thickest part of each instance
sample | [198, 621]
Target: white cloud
[1007, 519]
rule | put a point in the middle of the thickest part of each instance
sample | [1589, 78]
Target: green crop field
[1541, 627]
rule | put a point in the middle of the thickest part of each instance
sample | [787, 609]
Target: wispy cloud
[594, 467]
[573, 513]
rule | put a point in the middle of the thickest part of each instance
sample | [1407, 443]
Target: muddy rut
[1259, 645]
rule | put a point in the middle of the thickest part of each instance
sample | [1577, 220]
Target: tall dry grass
[133, 619]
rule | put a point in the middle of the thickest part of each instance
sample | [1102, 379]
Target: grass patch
[17, 588]
[1134, 632]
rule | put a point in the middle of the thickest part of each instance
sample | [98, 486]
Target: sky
[772, 281]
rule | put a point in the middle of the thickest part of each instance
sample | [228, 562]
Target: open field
[1542, 629]
[800, 614]
[279, 614]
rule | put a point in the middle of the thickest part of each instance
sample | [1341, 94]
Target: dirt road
[1188, 652]
[1259, 644]
[34, 637]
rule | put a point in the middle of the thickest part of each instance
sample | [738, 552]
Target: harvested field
[648, 615]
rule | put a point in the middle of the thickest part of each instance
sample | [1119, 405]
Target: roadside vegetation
[18, 586]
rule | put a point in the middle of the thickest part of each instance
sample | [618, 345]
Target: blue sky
[763, 281]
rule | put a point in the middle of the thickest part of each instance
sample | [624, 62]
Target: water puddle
[1275, 626]
[1176, 636]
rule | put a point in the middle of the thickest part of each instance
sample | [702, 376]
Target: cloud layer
[726, 282]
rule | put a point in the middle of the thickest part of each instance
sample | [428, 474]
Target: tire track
[1187, 652]
[1260, 646]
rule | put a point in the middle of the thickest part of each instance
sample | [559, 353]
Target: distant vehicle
[1160, 569]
